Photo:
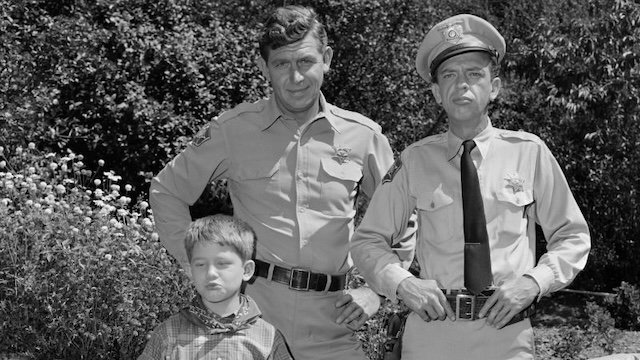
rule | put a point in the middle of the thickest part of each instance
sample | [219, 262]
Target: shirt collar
[482, 140]
[273, 112]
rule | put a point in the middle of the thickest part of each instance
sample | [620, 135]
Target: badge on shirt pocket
[512, 209]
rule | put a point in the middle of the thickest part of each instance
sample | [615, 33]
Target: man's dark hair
[289, 24]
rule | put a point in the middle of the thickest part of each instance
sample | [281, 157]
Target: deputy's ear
[435, 90]
[496, 85]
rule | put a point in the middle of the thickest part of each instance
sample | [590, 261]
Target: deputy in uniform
[520, 184]
[295, 165]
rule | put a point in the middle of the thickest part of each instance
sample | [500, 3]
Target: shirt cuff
[391, 276]
[544, 277]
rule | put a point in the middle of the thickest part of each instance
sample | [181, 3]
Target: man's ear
[326, 58]
[187, 270]
[249, 269]
[262, 65]
[496, 85]
[435, 90]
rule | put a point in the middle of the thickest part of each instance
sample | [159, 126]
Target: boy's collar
[199, 314]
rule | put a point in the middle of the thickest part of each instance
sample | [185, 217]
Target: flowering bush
[82, 273]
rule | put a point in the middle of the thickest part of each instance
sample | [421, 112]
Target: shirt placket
[301, 177]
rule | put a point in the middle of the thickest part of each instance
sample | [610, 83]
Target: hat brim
[458, 50]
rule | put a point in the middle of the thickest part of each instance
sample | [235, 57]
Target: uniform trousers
[466, 340]
[307, 320]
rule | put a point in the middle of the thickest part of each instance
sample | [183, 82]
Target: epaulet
[245, 107]
[517, 135]
[431, 139]
[357, 117]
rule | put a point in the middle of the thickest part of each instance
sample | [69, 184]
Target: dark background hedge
[131, 82]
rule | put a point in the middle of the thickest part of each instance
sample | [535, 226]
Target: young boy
[220, 323]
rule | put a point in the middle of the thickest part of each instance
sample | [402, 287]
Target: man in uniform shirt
[295, 165]
[520, 184]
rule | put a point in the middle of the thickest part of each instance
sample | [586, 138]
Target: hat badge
[452, 33]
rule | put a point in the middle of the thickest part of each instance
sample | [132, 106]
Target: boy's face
[218, 272]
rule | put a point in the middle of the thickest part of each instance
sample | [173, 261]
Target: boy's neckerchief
[198, 313]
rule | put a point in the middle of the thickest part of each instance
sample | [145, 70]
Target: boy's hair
[222, 230]
[289, 24]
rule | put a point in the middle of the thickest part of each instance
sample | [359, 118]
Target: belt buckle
[464, 299]
[295, 283]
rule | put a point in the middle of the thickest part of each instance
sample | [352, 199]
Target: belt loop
[328, 286]
[270, 272]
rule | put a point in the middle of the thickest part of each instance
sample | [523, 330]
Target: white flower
[3, 164]
[32, 145]
[107, 256]
[53, 166]
[60, 189]
[97, 182]
[147, 223]
[144, 205]
[155, 236]
[128, 187]
[101, 163]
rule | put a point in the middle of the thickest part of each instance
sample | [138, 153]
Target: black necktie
[477, 259]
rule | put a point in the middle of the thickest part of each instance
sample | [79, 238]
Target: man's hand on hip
[358, 305]
[508, 300]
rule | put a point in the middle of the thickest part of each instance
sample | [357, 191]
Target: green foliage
[625, 306]
[131, 82]
[601, 327]
[82, 274]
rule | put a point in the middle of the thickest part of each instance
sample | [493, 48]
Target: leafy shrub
[601, 328]
[625, 306]
[83, 276]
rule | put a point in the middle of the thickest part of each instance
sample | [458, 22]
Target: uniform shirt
[196, 333]
[296, 186]
[521, 184]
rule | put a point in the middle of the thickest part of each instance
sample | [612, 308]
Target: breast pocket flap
[345, 171]
[520, 198]
[431, 201]
[258, 170]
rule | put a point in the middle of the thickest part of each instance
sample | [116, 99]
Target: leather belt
[301, 279]
[467, 306]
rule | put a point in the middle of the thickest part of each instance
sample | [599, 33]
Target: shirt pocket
[257, 178]
[436, 214]
[341, 178]
[512, 219]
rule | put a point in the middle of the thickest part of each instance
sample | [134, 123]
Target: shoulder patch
[354, 116]
[202, 136]
[392, 171]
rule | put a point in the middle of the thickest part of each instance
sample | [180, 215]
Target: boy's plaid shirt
[196, 333]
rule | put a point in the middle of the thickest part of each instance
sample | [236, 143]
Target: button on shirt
[296, 186]
[521, 184]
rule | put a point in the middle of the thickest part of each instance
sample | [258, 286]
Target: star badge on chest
[342, 154]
